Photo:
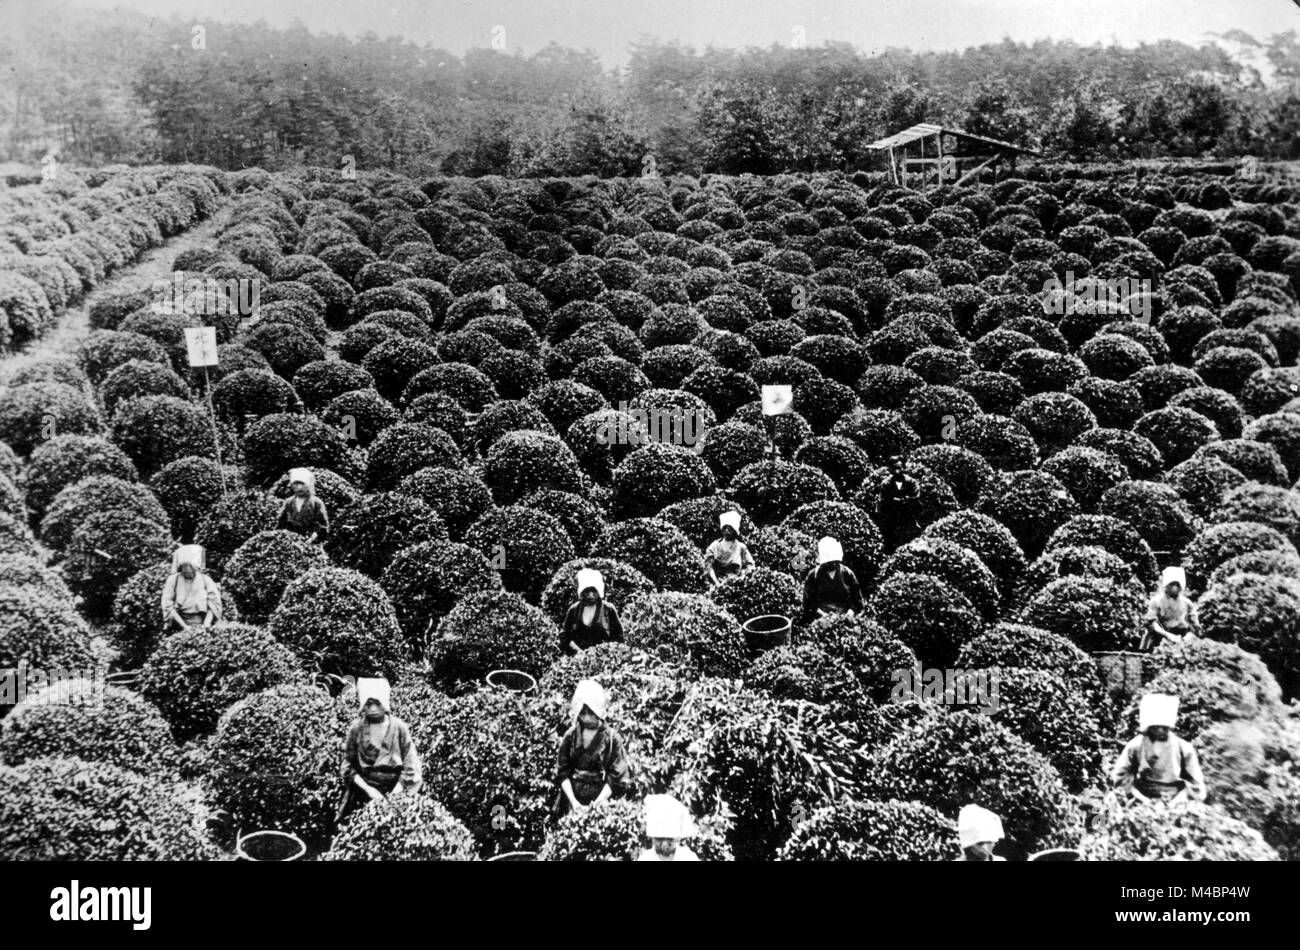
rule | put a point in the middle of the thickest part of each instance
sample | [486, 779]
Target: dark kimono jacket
[839, 591]
[590, 769]
[312, 517]
[604, 627]
[898, 489]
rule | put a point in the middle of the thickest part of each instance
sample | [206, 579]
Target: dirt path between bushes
[74, 325]
[154, 264]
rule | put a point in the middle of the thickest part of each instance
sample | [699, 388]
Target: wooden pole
[940, 138]
[976, 171]
[216, 435]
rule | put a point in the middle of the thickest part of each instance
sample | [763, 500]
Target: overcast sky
[609, 26]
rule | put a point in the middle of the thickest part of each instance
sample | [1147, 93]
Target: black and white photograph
[743, 431]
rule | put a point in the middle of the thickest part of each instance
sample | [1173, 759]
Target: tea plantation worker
[1171, 613]
[379, 755]
[899, 491]
[831, 587]
[591, 766]
[728, 554]
[190, 598]
[1157, 763]
[978, 830]
[667, 822]
[590, 620]
[303, 512]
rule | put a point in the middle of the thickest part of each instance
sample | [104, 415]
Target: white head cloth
[591, 694]
[666, 817]
[587, 577]
[303, 475]
[368, 689]
[828, 549]
[1157, 709]
[976, 824]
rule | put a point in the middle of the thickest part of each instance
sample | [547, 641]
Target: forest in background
[104, 87]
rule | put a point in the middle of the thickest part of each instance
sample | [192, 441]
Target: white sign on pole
[202, 344]
[777, 400]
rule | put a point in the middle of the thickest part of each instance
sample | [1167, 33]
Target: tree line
[101, 87]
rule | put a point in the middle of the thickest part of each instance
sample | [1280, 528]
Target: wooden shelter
[929, 155]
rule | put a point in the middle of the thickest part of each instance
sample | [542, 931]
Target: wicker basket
[512, 681]
[270, 846]
[124, 679]
[1056, 854]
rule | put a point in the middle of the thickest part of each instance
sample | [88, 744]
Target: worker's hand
[574, 647]
[374, 793]
[311, 538]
